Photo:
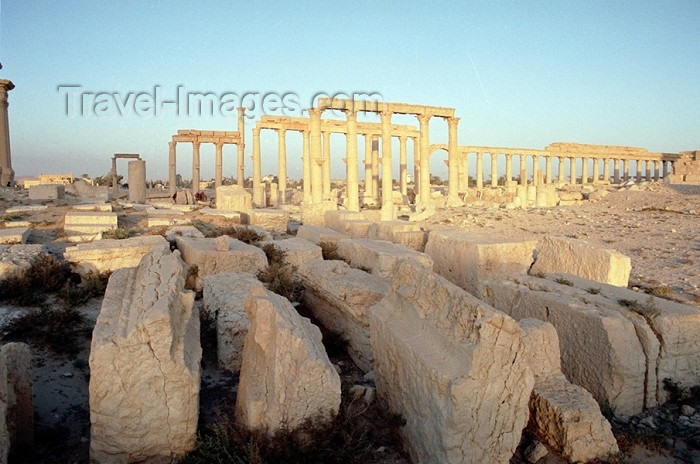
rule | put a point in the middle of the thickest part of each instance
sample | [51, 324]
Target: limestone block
[17, 257]
[314, 214]
[379, 256]
[340, 297]
[47, 192]
[541, 348]
[408, 234]
[601, 350]
[24, 209]
[182, 231]
[203, 253]
[224, 297]
[571, 256]
[110, 255]
[565, 195]
[452, 366]
[169, 206]
[234, 216]
[14, 235]
[466, 258]
[297, 250]
[234, 198]
[286, 376]
[334, 219]
[106, 207]
[90, 224]
[17, 358]
[145, 365]
[318, 234]
[356, 227]
[164, 217]
[271, 219]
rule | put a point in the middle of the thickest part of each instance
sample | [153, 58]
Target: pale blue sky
[521, 74]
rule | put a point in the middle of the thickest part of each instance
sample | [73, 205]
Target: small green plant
[563, 281]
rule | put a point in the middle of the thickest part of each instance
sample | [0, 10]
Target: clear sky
[519, 73]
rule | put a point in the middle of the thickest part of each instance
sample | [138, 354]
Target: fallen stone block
[14, 235]
[340, 297]
[297, 251]
[335, 219]
[452, 366]
[88, 225]
[466, 258]
[409, 234]
[105, 207]
[145, 365]
[562, 415]
[110, 255]
[577, 257]
[17, 358]
[222, 254]
[358, 228]
[318, 234]
[18, 257]
[24, 209]
[47, 192]
[378, 256]
[271, 219]
[286, 376]
[235, 198]
[182, 231]
[224, 297]
[162, 217]
[313, 215]
[234, 216]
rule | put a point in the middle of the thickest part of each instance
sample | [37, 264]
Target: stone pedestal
[137, 181]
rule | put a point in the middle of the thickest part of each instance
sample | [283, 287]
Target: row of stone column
[655, 169]
[218, 171]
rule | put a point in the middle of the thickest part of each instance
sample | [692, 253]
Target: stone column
[560, 169]
[535, 169]
[240, 162]
[172, 168]
[584, 171]
[387, 178]
[616, 170]
[258, 189]
[523, 170]
[625, 170]
[424, 122]
[375, 169]
[606, 170]
[316, 156]
[656, 170]
[509, 167]
[195, 167]
[353, 189]
[638, 177]
[548, 167]
[282, 166]
[326, 165]
[572, 170]
[596, 167]
[306, 162]
[648, 166]
[7, 175]
[369, 181]
[115, 182]
[664, 168]
[452, 160]
[137, 181]
[218, 172]
[416, 166]
[462, 173]
[403, 173]
[479, 171]
[494, 169]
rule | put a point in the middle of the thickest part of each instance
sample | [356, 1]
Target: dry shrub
[329, 250]
[282, 280]
[244, 234]
[120, 233]
[30, 286]
[58, 330]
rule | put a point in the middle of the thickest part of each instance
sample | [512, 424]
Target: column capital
[172, 144]
[256, 132]
[6, 85]
[219, 145]
[315, 112]
[196, 145]
[351, 115]
[281, 131]
[403, 138]
[452, 121]
[423, 118]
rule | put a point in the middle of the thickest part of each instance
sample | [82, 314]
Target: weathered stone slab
[335, 219]
[224, 297]
[297, 250]
[47, 192]
[340, 297]
[235, 198]
[357, 227]
[318, 234]
[466, 258]
[234, 216]
[110, 255]
[313, 215]
[271, 219]
[24, 209]
[600, 348]
[105, 207]
[286, 376]
[182, 231]
[222, 254]
[562, 415]
[14, 235]
[452, 366]
[88, 225]
[571, 256]
[379, 256]
[145, 365]
[17, 358]
[17, 257]
[408, 234]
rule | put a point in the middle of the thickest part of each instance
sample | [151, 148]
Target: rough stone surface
[357, 227]
[466, 258]
[314, 214]
[335, 219]
[318, 234]
[340, 297]
[571, 256]
[47, 192]
[182, 231]
[297, 250]
[408, 234]
[145, 365]
[379, 256]
[88, 225]
[452, 366]
[224, 297]
[286, 376]
[562, 415]
[235, 198]
[236, 257]
[271, 219]
[17, 257]
[110, 255]
[14, 235]
[17, 358]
